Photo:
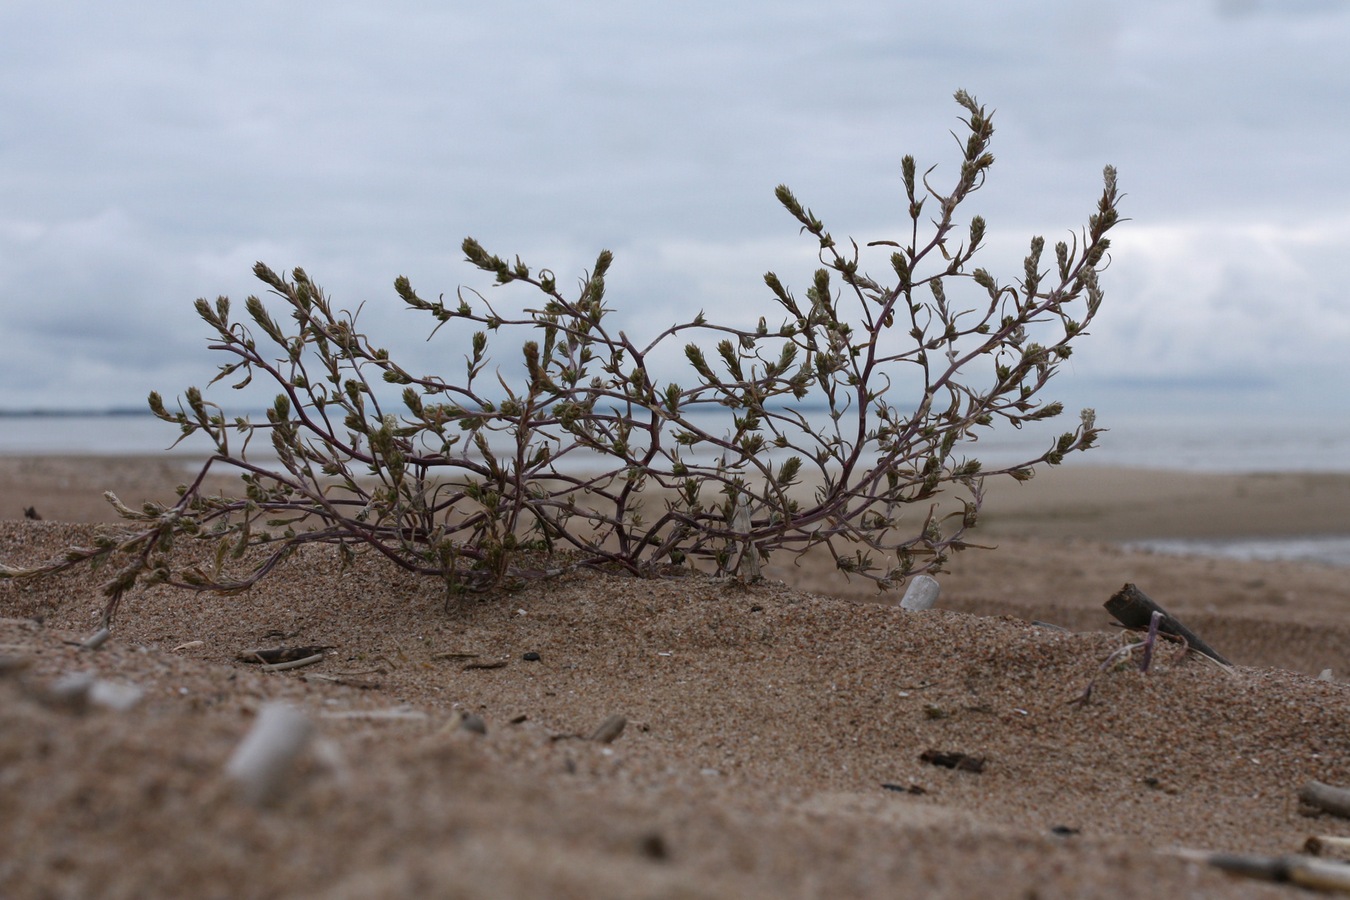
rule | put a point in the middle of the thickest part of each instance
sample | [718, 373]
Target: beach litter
[921, 594]
[268, 753]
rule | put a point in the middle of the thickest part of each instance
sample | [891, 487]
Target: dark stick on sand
[1134, 609]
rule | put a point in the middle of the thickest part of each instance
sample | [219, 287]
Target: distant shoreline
[72, 413]
[1244, 516]
[1217, 444]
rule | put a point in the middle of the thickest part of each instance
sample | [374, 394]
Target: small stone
[610, 729]
[70, 692]
[117, 696]
[653, 846]
[531, 657]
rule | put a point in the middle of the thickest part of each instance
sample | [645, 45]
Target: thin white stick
[293, 664]
[398, 713]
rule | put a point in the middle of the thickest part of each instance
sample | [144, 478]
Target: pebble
[610, 729]
[114, 695]
[77, 691]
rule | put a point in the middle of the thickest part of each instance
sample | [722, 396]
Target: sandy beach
[778, 738]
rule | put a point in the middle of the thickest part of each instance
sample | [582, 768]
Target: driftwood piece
[1133, 608]
[295, 663]
[1326, 845]
[360, 684]
[1330, 799]
[1315, 874]
[272, 655]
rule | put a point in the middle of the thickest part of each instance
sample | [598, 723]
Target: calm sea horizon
[1213, 443]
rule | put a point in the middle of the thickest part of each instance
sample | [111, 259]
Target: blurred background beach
[159, 151]
[1232, 486]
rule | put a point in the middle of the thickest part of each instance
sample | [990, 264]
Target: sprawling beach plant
[833, 422]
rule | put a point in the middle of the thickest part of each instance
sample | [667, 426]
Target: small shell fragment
[610, 729]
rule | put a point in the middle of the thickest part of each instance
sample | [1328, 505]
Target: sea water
[1212, 443]
[1327, 549]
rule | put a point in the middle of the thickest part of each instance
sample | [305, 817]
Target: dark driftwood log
[1330, 799]
[1134, 609]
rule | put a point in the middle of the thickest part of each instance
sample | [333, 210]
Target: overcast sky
[151, 152]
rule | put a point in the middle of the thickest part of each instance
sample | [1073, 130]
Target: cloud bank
[151, 154]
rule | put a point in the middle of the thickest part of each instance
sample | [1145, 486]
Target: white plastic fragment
[114, 695]
[921, 594]
[747, 565]
[267, 754]
[77, 691]
[71, 691]
[328, 754]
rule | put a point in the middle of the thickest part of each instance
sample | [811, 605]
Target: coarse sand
[774, 733]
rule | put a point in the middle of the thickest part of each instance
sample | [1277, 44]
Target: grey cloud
[365, 142]
[1238, 9]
